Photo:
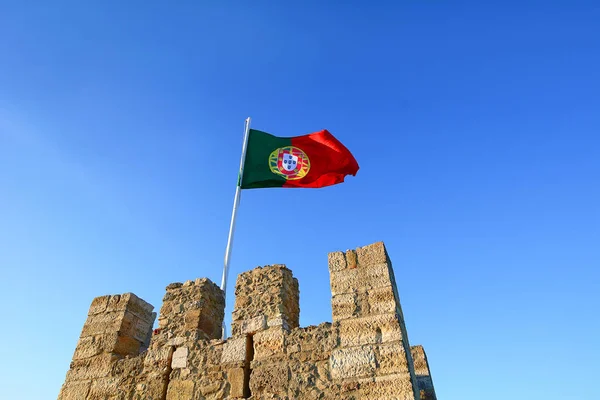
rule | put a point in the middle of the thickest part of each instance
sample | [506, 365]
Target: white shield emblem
[289, 161]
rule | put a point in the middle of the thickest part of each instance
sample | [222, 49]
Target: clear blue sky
[475, 124]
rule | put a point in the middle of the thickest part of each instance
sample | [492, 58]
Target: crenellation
[363, 353]
[194, 308]
[421, 366]
[265, 297]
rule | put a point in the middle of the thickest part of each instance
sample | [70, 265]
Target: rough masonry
[363, 354]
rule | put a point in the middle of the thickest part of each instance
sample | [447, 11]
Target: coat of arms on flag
[289, 162]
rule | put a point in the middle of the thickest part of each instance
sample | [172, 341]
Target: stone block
[372, 254]
[377, 275]
[131, 303]
[270, 378]
[382, 300]
[279, 320]
[352, 362]
[344, 305]
[192, 319]
[180, 357]
[111, 342]
[151, 386]
[369, 330]
[311, 344]
[211, 324]
[158, 357]
[127, 346]
[99, 305]
[135, 327]
[108, 388]
[419, 360]
[99, 366]
[268, 343]
[209, 388]
[351, 260]
[102, 323]
[391, 359]
[75, 390]
[236, 378]
[176, 341]
[396, 387]
[90, 346]
[360, 279]
[180, 390]
[252, 325]
[336, 261]
[345, 281]
[235, 350]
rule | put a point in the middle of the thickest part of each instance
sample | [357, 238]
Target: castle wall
[363, 353]
[423, 374]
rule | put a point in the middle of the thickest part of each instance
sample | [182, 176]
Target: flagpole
[236, 203]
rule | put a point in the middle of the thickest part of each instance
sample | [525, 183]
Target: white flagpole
[236, 203]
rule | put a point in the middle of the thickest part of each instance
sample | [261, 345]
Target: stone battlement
[363, 354]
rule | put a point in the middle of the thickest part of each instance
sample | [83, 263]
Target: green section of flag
[257, 173]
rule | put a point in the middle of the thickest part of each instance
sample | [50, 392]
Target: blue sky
[475, 124]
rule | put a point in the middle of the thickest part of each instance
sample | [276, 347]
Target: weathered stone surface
[107, 388]
[253, 325]
[269, 379]
[362, 355]
[94, 367]
[367, 277]
[180, 358]
[234, 350]
[195, 308]
[75, 390]
[279, 320]
[180, 390]
[345, 305]
[369, 330]
[99, 305]
[337, 261]
[236, 378]
[269, 343]
[131, 303]
[382, 300]
[372, 254]
[419, 360]
[391, 358]
[351, 259]
[90, 346]
[269, 291]
[421, 367]
[352, 362]
[397, 386]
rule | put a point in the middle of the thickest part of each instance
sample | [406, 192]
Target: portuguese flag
[309, 161]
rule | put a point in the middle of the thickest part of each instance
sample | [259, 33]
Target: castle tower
[116, 326]
[374, 351]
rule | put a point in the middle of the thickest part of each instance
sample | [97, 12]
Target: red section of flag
[330, 160]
